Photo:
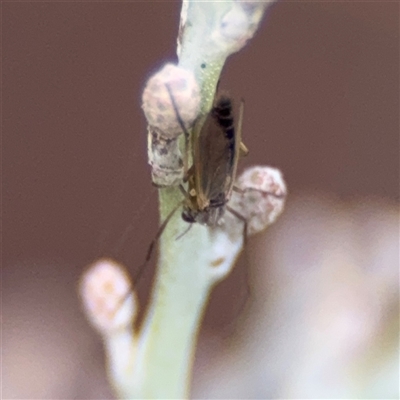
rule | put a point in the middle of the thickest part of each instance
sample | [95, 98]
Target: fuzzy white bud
[158, 108]
[106, 295]
[238, 25]
[235, 24]
[262, 199]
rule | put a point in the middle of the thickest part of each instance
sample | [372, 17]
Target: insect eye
[187, 216]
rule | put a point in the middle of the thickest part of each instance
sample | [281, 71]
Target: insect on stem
[210, 179]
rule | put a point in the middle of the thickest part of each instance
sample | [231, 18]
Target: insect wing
[214, 157]
[238, 147]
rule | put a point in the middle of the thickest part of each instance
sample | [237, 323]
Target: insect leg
[184, 192]
[247, 293]
[161, 230]
[241, 218]
[250, 189]
[149, 253]
[240, 121]
[184, 130]
[189, 173]
[187, 198]
[244, 151]
[155, 240]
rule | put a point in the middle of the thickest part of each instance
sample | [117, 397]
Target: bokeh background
[321, 86]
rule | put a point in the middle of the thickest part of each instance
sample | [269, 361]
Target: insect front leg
[184, 130]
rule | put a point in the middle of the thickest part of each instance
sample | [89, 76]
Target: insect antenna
[184, 232]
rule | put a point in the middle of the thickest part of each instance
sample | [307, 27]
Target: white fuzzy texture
[263, 197]
[157, 103]
[105, 292]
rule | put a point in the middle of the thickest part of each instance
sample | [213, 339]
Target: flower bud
[105, 291]
[262, 197]
[172, 84]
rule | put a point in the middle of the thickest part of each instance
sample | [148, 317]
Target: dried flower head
[262, 199]
[157, 103]
[104, 290]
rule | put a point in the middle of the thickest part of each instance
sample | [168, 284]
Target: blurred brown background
[321, 85]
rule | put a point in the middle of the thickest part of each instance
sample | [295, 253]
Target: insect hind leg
[247, 294]
[250, 189]
[154, 242]
[242, 219]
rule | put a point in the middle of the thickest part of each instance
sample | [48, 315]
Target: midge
[216, 149]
